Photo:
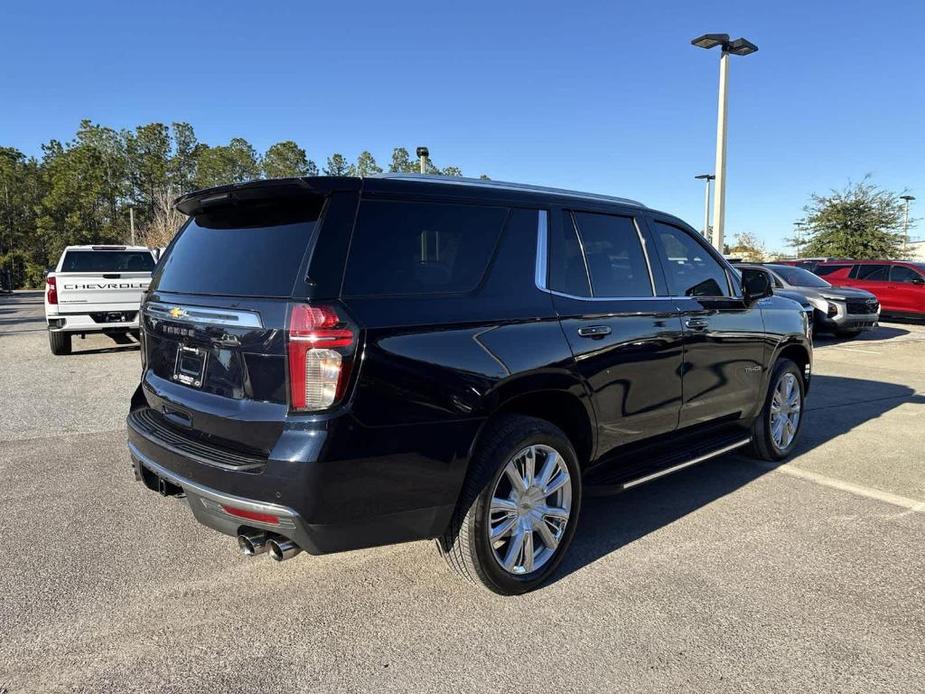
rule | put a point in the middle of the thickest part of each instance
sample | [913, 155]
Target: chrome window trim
[542, 264]
[199, 314]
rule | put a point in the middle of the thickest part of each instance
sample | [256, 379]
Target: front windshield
[798, 277]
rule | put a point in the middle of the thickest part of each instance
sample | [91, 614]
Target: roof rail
[504, 185]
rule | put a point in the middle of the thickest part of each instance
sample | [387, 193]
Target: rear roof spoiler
[277, 188]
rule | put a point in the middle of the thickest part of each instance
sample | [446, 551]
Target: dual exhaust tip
[256, 542]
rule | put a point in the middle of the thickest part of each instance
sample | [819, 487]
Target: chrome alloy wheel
[530, 507]
[785, 411]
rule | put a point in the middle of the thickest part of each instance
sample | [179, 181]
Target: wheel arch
[566, 408]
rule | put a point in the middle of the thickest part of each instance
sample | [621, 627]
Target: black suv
[335, 363]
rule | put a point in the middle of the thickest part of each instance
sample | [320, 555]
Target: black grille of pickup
[150, 424]
[855, 306]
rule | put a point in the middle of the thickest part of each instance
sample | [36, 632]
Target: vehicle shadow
[835, 406]
[880, 333]
[124, 347]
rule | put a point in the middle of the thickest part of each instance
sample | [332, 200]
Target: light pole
[908, 199]
[738, 47]
[706, 203]
[799, 225]
[423, 153]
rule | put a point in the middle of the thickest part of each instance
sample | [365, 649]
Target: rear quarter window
[408, 248]
[823, 270]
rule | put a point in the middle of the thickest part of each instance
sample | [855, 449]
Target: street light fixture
[908, 198]
[706, 202]
[423, 154]
[739, 46]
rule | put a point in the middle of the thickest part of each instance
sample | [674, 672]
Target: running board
[618, 479]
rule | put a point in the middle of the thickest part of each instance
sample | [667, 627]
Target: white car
[95, 289]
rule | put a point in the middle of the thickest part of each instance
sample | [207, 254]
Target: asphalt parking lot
[729, 576]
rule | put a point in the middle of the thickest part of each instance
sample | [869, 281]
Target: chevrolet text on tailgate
[335, 363]
[95, 289]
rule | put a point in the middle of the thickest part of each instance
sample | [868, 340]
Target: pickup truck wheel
[59, 342]
[518, 509]
[775, 431]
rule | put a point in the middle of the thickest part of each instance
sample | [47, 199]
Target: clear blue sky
[600, 96]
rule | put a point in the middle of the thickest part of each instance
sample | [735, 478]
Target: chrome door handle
[696, 323]
[594, 331]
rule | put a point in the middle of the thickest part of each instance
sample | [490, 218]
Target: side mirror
[756, 285]
[48, 271]
[918, 280]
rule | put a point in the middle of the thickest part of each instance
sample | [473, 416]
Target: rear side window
[568, 271]
[402, 248]
[690, 269]
[823, 270]
[871, 273]
[613, 252]
[107, 261]
[253, 250]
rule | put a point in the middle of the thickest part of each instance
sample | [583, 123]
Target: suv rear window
[107, 261]
[255, 250]
[401, 248]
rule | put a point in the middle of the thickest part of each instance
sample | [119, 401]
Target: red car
[898, 284]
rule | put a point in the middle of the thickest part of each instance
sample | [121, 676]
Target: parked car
[899, 285]
[335, 363]
[95, 289]
[842, 310]
[806, 263]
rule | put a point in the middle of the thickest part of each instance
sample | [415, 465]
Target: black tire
[59, 342]
[465, 545]
[763, 444]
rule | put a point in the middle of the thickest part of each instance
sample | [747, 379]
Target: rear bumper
[322, 506]
[84, 323]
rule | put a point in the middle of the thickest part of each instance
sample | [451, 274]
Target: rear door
[907, 287]
[103, 279]
[724, 339]
[625, 338]
[214, 324]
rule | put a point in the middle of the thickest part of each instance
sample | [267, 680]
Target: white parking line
[905, 502]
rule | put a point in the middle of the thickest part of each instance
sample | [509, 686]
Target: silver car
[843, 310]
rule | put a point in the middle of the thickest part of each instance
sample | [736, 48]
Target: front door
[907, 289]
[724, 339]
[626, 340]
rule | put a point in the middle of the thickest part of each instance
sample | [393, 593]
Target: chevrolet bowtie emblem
[177, 312]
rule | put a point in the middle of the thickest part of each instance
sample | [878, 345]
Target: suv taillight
[51, 288]
[321, 346]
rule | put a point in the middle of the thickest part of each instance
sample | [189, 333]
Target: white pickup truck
[95, 289]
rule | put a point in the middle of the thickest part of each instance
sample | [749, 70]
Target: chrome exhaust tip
[252, 543]
[282, 549]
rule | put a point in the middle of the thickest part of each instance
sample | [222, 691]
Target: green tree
[20, 195]
[285, 160]
[401, 162]
[235, 162]
[148, 148]
[366, 165]
[860, 221]
[337, 166]
[452, 171]
[182, 166]
[748, 247]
